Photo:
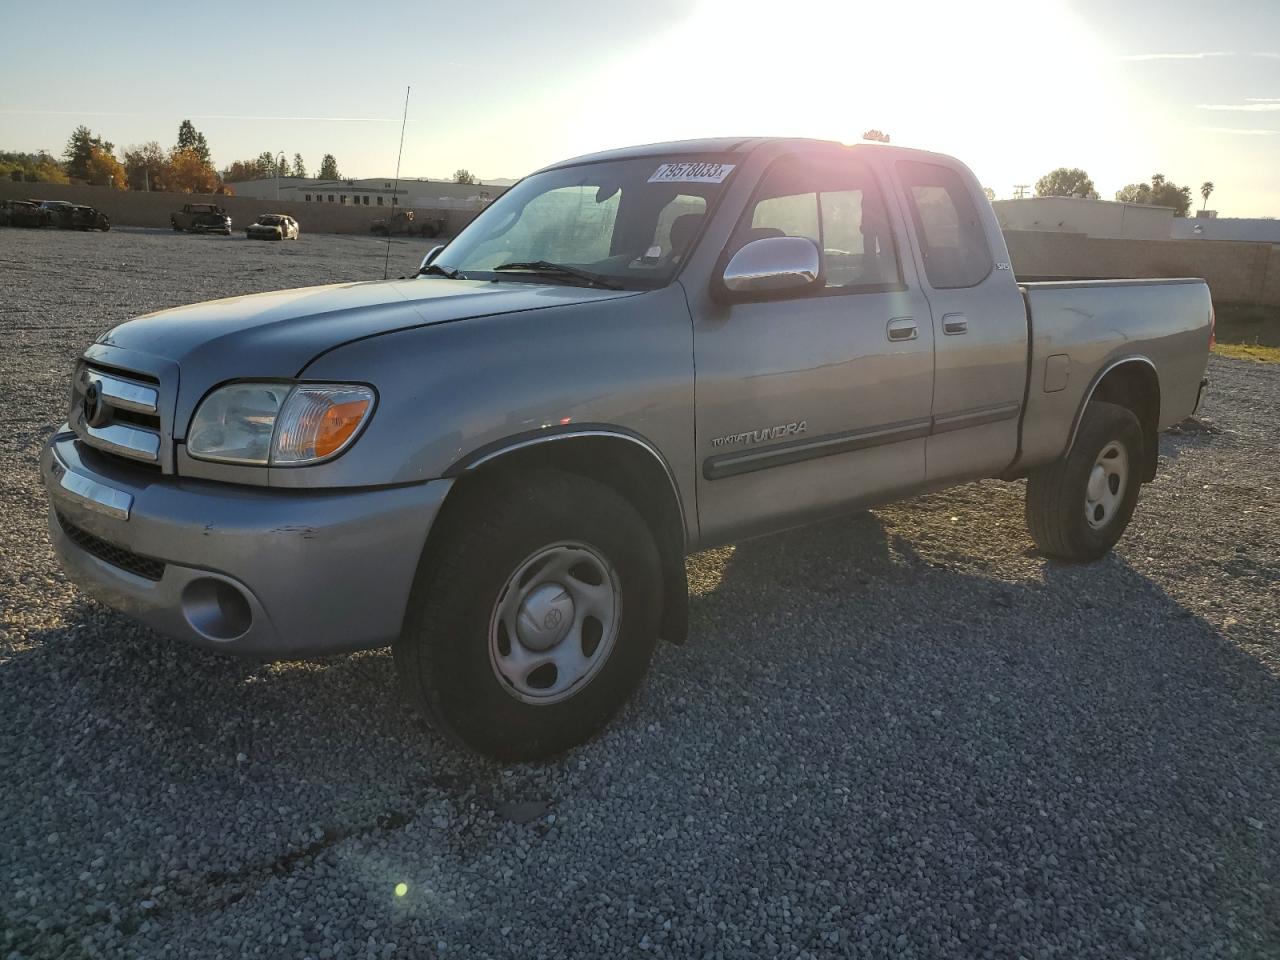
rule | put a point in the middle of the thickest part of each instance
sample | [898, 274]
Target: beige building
[372, 192]
[1107, 219]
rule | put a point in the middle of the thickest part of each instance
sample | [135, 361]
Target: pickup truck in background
[201, 218]
[498, 465]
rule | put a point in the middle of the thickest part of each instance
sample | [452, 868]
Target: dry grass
[1249, 351]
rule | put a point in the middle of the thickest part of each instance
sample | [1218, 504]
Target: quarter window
[837, 204]
[952, 239]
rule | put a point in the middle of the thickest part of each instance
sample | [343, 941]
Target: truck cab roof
[738, 145]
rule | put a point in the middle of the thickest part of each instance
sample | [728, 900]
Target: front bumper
[271, 573]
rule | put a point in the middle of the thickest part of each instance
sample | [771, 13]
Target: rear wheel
[534, 615]
[1078, 507]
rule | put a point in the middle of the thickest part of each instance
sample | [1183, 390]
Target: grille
[146, 567]
[118, 413]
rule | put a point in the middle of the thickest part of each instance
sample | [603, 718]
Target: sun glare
[923, 70]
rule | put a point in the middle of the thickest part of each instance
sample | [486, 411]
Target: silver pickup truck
[498, 465]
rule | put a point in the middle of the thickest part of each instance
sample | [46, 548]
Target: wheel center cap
[1097, 483]
[545, 616]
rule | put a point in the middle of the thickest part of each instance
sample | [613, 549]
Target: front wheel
[534, 615]
[1078, 507]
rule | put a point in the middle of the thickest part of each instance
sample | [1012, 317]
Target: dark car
[24, 213]
[201, 218]
[75, 216]
[404, 223]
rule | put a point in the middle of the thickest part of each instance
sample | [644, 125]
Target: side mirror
[431, 255]
[772, 265]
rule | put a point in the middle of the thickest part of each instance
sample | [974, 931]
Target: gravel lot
[902, 734]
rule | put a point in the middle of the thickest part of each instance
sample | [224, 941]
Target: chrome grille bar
[123, 440]
[127, 394]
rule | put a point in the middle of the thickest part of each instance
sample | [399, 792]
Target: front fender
[451, 389]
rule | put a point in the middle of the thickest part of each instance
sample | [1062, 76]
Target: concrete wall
[1236, 272]
[1093, 218]
[135, 208]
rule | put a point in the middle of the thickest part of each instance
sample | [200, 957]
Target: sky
[1122, 88]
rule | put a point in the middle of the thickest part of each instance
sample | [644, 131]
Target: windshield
[631, 222]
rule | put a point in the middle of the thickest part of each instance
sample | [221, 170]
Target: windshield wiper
[547, 268]
[438, 270]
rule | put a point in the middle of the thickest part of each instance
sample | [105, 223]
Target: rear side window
[836, 203]
[952, 240]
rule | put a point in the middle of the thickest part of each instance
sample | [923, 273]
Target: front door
[809, 404]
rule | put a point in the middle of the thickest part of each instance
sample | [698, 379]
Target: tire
[488, 551]
[1074, 517]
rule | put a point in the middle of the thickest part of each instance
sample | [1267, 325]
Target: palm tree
[1206, 188]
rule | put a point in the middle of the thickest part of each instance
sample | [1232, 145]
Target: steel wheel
[1104, 492]
[555, 623]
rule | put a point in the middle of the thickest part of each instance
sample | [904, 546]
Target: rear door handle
[903, 328]
[954, 324]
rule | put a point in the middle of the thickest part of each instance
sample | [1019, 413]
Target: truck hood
[274, 335]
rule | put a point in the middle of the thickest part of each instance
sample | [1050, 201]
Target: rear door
[809, 403]
[979, 322]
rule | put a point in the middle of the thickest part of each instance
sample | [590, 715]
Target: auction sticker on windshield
[691, 171]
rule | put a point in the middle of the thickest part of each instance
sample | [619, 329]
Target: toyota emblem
[94, 410]
[552, 619]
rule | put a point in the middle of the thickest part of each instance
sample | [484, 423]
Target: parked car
[403, 223]
[498, 466]
[24, 213]
[273, 226]
[76, 216]
[201, 218]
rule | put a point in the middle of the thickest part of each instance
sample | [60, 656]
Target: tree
[329, 168]
[463, 175]
[988, 193]
[299, 168]
[242, 170]
[271, 165]
[1158, 193]
[878, 136]
[1206, 188]
[189, 138]
[144, 166]
[187, 172]
[79, 152]
[104, 170]
[1066, 182]
[31, 168]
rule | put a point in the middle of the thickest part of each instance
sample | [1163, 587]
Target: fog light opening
[215, 609]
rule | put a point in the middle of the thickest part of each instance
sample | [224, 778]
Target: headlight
[278, 424]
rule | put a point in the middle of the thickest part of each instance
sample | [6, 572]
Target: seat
[683, 229]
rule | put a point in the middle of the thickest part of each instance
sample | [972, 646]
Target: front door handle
[904, 328]
[955, 323]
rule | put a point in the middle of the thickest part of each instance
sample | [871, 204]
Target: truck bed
[1079, 329]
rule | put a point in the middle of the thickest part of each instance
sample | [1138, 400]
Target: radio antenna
[386, 261]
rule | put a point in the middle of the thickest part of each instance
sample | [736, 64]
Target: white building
[373, 192]
[1092, 218]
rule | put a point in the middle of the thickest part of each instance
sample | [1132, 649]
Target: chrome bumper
[272, 573]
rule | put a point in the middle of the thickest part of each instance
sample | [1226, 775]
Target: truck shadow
[881, 650]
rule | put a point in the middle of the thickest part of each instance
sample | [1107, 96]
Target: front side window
[836, 203]
[631, 222]
[953, 242]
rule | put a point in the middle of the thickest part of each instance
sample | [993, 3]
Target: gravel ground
[902, 734]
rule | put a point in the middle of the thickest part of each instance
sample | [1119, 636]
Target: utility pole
[1020, 190]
